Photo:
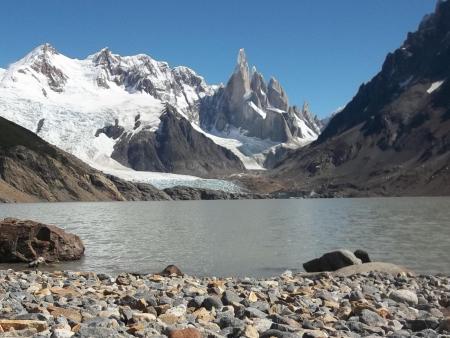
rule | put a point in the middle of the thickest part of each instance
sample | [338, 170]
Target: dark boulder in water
[332, 261]
[362, 255]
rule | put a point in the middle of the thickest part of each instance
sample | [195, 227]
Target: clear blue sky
[321, 51]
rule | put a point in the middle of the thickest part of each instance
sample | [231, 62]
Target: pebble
[404, 296]
[77, 304]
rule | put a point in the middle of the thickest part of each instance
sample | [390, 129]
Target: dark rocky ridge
[33, 170]
[175, 147]
[393, 138]
[180, 193]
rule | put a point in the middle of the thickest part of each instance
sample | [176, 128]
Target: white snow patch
[434, 86]
[258, 110]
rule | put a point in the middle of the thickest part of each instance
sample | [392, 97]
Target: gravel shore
[78, 304]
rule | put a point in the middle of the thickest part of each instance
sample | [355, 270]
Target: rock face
[26, 241]
[393, 137]
[175, 147]
[332, 261]
[180, 193]
[33, 170]
[261, 110]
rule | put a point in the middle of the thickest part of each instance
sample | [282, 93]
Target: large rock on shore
[26, 241]
[332, 261]
[371, 267]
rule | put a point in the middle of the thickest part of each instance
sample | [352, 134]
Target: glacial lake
[248, 237]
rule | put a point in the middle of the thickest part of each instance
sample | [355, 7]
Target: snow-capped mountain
[117, 112]
[261, 109]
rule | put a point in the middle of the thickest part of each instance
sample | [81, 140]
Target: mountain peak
[242, 58]
[45, 50]
[103, 57]
[242, 65]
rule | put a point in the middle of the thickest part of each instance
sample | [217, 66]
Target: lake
[248, 237]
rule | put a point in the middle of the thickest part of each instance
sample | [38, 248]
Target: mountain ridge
[33, 170]
[71, 103]
[393, 137]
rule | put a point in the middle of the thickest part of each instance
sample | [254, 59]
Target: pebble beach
[57, 304]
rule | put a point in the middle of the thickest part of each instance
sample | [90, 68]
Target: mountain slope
[393, 138]
[33, 170]
[175, 147]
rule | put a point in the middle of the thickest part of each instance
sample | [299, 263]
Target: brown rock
[26, 241]
[64, 292]
[134, 328]
[185, 333]
[69, 313]
[168, 318]
[8, 324]
[203, 314]
[76, 328]
[383, 312]
[171, 270]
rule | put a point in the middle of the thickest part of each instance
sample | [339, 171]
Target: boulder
[362, 255]
[171, 270]
[27, 241]
[371, 267]
[13, 324]
[332, 261]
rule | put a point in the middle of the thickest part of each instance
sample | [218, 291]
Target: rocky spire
[305, 108]
[239, 84]
[276, 95]
[259, 88]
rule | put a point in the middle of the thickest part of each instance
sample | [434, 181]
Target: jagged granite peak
[242, 64]
[277, 97]
[260, 110]
[259, 88]
[238, 85]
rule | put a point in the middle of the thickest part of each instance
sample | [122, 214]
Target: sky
[320, 51]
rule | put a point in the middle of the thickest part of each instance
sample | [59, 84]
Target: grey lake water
[249, 237]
